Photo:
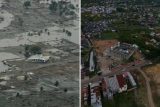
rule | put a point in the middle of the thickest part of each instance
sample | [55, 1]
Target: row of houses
[91, 95]
[95, 96]
[119, 83]
[107, 87]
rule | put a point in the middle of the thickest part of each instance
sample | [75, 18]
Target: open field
[102, 45]
[154, 73]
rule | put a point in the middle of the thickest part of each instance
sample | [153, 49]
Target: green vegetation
[71, 6]
[87, 16]
[53, 6]
[32, 50]
[131, 59]
[68, 33]
[125, 100]
[85, 54]
[92, 74]
[27, 4]
[120, 9]
[122, 100]
[108, 36]
[56, 83]
[62, 8]
[65, 90]
[135, 34]
[157, 100]
[108, 103]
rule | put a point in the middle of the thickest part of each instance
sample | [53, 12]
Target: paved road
[119, 71]
[149, 92]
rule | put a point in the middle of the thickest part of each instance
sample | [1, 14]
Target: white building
[39, 58]
[131, 79]
[91, 62]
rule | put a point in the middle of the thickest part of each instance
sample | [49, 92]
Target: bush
[53, 6]
[27, 4]
[71, 6]
[65, 90]
[56, 83]
[35, 49]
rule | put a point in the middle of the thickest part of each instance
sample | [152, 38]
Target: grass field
[108, 36]
[122, 100]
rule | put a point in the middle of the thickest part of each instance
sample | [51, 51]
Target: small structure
[91, 62]
[113, 84]
[121, 51]
[39, 58]
[45, 1]
[131, 79]
[122, 83]
[106, 90]
[105, 85]
[95, 95]
[85, 95]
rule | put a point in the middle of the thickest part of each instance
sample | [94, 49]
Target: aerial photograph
[120, 53]
[39, 53]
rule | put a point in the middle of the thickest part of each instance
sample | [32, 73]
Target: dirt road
[149, 92]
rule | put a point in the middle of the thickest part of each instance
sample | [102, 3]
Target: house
[113, 84]
[131, 79]
[105, 85]
[38, 58]
[95, 95]
[85, 95]
[106, 90]
[122, 83]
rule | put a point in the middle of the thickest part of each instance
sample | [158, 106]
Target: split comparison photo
[79, 53]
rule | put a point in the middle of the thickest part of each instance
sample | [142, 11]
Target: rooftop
[39, 57]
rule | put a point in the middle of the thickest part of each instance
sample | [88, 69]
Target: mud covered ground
[38, 89]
